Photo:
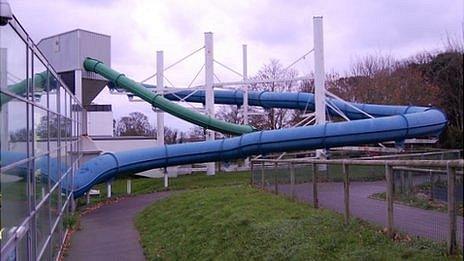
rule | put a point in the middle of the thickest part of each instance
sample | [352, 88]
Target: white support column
[160, 113]
[245, 87]
[209, 92]
[166, 178]
[319, 76]
[245, 91]
[129, 186]
[160, 89]
[108, 189]
[4, 139]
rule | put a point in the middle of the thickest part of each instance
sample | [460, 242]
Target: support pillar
[209, 92]
[108, 189]
[129, 186]
[319, 80]
[245, 92]
[160, 89]
[166, 178]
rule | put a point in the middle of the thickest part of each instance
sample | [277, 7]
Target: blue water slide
[398, 127]
[395, 123]
[102, 168]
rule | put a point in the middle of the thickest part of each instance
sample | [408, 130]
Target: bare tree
[170, 135]
[273, 118]
[136, 124]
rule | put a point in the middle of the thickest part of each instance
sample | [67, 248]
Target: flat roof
[72, 31]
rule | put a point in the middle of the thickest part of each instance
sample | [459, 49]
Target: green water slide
[20, 88]
[157, 100]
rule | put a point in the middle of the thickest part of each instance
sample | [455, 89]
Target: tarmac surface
[413, 221]
[109, 233]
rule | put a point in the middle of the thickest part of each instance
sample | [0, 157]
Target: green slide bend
[162, 103]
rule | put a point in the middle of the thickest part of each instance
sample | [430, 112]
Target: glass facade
[40, 123]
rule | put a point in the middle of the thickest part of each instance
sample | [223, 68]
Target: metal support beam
[160, 89]
[129, 186]
[245, 86]
[166, 178]
[108, 189]
[245, 91]
[209, 92]
[319, 76]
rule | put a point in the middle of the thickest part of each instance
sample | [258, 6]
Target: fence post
[410, 183]
[275, 179]
[252, 177]
[402, 182]
[129, 186]
[432, 185]
[315, 199]
[347, 192]
[452, 242]
[292, 180]
[262, 175]
[389, 199]
[87, 198]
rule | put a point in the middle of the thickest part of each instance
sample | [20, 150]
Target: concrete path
[414, 221]
[109, 233]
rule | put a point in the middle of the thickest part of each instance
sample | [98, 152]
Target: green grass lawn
[141, 185]
[303, 173]
[239, 222]
[414, 201]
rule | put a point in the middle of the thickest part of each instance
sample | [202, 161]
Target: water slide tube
[295, 100]
[20, 88]
[289, 100]
[410, 122]
[162, 103]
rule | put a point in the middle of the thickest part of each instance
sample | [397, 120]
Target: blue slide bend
[430, 122]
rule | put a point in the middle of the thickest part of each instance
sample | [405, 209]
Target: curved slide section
[106, 166]
[164, 104]
[294, 100]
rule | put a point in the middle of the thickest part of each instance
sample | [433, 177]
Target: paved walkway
[108, 233]
[414, 221]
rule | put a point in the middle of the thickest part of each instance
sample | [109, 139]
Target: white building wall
[100, 123]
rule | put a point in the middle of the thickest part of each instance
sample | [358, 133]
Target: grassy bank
[243, 223]
[141, 185]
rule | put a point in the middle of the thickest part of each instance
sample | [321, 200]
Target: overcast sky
[280, 29]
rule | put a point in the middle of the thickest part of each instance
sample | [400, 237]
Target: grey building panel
[67, 51]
